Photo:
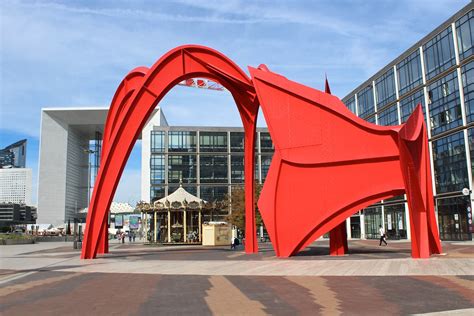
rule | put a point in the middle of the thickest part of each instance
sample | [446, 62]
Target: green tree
[237, 206]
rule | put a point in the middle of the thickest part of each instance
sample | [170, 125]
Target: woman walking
[382, 236]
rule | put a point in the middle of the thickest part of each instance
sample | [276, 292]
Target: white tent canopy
[115, 208]
[181, 195]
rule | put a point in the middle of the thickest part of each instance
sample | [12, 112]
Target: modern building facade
[69, 158]
[438, 73]
[14, 155]
[15, 185]
[209, 161]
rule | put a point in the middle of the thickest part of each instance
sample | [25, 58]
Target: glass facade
[365, 100]
[213, 141]
[351, 104]
[157, 169]
[385, 89]
[444, 104]
[468, 89]
[450, 166]
[439, 53]
[237, 169]
[237, 141]
[409, 103]
[208, 166]
[181, 141]
[182, 168]
[372, 221]
[266, 143]
[157, 141]
[388, 116]
[453, 218]
[213, 169]
[470, 133]
[395, 221]
[409, 73]
[464, 30]
[449, 114]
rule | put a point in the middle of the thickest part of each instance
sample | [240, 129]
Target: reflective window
[213, 193]
[157, 141]
[395, 224]
[237, 141]
[351, 104]
[389, 116]
[439, 53]
[445, 105]
[385, 89]
[470, 133]
[365, 100]
[409, 73]
[213, 141]
[213, 169]
[156, 193]
[181, 141]
[452, 218]
[464, 30]
[468, 86]
[449, 158]
[266, 161]
[182, 168]
[372, 221]
[266, 144]
[237, 169]
[371, 119]
[157, 169]
[408, 104]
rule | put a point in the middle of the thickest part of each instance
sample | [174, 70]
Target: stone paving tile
[126, 294]
[172, 295]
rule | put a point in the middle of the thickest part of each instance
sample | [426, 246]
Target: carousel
[177, 218]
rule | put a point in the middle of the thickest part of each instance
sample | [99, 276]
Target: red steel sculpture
[323, 152]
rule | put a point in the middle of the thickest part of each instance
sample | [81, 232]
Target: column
[199, 225]
[362, 225]
[169, 225]
[185, 229]
[154, 226]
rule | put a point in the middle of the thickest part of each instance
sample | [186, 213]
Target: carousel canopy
[181, 195]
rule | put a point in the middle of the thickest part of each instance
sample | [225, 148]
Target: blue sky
[75, 53]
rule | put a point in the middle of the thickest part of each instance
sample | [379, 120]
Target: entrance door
[453, 218]
[395, 224]
[355, 226]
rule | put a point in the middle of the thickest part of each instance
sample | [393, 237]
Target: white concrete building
[15, 185]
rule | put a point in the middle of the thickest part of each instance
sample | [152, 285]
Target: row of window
[186, 141]
[444, 102]
[212, 169]
[439, 56]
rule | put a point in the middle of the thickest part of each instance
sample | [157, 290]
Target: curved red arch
[132, 107]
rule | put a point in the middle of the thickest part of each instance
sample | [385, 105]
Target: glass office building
[438, 73]
[209, 161]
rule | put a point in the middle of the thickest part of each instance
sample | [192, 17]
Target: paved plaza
[49, 278]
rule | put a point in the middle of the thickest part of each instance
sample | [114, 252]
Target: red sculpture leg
[104, 239]
[179, 64]
[338, 240]
[415, 165]
[340, 163]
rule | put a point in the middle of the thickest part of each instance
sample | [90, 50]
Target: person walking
[382, 236]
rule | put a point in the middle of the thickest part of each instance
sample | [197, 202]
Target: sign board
[133, 221]
[389, 221]
[118, 221]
